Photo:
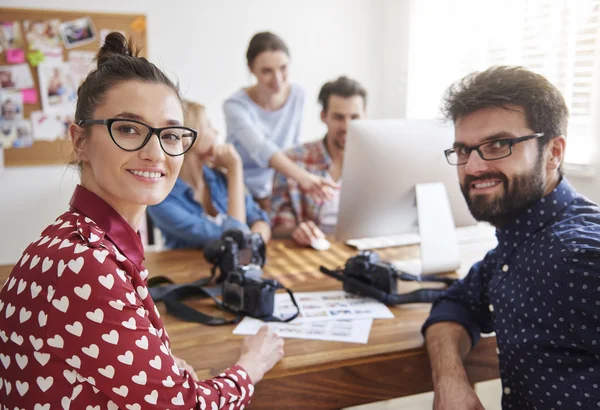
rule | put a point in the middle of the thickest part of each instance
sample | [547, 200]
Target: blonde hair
[193, 115]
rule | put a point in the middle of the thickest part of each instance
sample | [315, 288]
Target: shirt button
[491, 307]
[507, 390]
[505, 268]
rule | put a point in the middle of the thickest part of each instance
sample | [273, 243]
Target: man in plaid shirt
[293, 212]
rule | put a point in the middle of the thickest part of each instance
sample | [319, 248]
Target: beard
[519, 193]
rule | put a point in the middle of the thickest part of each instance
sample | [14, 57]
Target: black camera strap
[363, 289]
[173, 294]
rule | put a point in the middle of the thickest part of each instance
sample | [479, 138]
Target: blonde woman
[209, 197]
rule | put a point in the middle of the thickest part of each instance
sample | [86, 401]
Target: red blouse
[78, 329]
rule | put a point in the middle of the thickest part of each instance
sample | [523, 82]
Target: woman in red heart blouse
[78, 329]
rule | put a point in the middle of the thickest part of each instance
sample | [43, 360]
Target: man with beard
[539, 289]
[295, 213]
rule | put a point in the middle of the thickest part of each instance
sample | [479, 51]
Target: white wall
[202, 43]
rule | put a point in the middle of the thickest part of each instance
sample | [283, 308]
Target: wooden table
[316, 374]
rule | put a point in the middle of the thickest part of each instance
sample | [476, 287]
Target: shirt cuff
[230, 222]
[451, 311]
[242, 379]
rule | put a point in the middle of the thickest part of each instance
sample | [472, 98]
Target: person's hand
[455, 394]
[182, 364]
[306, 232]
[318, 188]
[226, 156]
[260, 353]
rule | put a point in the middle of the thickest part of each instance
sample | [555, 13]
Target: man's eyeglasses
[488, 151]
[132, 135]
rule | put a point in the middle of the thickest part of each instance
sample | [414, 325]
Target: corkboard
[59, 151]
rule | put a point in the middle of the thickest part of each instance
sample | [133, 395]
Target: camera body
[234, 250]
[369, 269]
[244, 291]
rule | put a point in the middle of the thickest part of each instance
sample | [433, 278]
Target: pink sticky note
[29, 96]
[15, 56]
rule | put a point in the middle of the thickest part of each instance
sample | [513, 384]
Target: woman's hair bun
[115, 44]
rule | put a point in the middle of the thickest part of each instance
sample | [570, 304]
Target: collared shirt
[258, 134]
[185, 224]
[289, 204]
[78, 328]
[539, 290]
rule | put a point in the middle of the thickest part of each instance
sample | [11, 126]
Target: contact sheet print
[335, 316]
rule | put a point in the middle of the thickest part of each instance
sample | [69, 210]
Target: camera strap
[172, 295]
[363, 289]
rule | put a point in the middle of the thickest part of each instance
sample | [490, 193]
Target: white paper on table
[349, 331]
[317, 306]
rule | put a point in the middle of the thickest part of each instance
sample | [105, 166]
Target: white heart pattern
[54, 242]
[56, 342]
[126, 358]
[24, 315]
[61, 268]
[142, 343]
[129, 324]
[74, 361]
[178, 400]
[84, 291]
[121, 391]
[107, 281]
[100, 255]
[61, 304]
[75, 329]
[80, 248]
[42, 318]
[140, 378]
[34, 261]
[91, 351]
[22, 286]
[151, 398]
[35, 290]
[21, 360]
[47, 264]
[168, 382]
[45, 383]
[107, 372]
[117, 304]
[112, 337]
[156, 362]
[76, 264]
[36, 343]
[42, 358]
[96, 316]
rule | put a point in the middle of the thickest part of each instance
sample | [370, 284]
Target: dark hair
[117, 61]
[265, 41]
[510, 87]
[343, 87]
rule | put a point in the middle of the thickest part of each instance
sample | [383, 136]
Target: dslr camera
[234, 250]
[367, 268]
[245, 292]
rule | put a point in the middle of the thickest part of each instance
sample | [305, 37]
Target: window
[559, 39]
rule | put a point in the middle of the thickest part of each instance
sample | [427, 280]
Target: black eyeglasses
[132, 135]
[489, 151]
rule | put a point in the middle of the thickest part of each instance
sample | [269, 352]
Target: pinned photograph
[49, 127]
[10, 35]
[15, 77]
[81, 63]
[78, 32]
[58, 89]
[15, 134]
[11, 106]
[42, 34]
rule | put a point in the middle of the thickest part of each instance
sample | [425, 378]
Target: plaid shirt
[289, 205]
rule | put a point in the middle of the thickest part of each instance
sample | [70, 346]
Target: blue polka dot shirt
[539, 291]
